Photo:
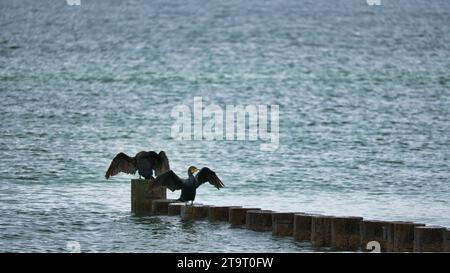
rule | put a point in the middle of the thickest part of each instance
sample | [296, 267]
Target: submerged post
[219, 213]
[447, 240]
[429, 239]
[321, 230]
[399, 236]
[404, 236]
[388, 236]
[345, 232]
[142, 197]
[196, 211]
[282, 223]
[161, 206]
[259, 220]
[237, 216]
[302, 227]
[175, 208]
[372, 230]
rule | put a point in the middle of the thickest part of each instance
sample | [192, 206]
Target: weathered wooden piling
[282, 223]
[237, 216]
[264, 221]
[345, 232]
[372, 230]
[302, 226]
[321, 230]
[404, 236]
[388, 236]
[197, 211]
[142, 197]
[161, 206]
[399, 236]
[447, 240]
[259, 220]
[219, 213]
[175, 208]
[429, 239]
[251, 219]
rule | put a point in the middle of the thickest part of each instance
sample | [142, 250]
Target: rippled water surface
[364, 125]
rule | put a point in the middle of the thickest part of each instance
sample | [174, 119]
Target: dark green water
[364, 95]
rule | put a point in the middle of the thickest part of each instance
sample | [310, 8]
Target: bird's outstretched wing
[121, 163]
[146, 162]
[208, 175]
[168, 179]
[162, 163]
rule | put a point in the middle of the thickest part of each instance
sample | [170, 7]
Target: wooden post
[219, 213]
[174, 208]
[161, 206]
[321, 230]
[264, 221]
[259, 220]
[345, 232]
[372, 230]
[429, 239]
[282, 223]
[196, 211]
[302, 226]
[388, 236]
[251, 219]
[142, 197]
[237, 216]
[399, 236]
[447, 240]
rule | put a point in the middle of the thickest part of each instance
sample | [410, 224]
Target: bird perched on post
[187, 186]
[143, 162]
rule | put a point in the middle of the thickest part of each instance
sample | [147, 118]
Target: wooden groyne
[238, 216]
[174, 209]
[321, 230]
[372, 231]
[335, 232]
[430, 239]
[196, 211]
[302, 226]
[283, 223]
[142, 197]
[161, 206]
[259, 220]
[219, 213]
[345, 232]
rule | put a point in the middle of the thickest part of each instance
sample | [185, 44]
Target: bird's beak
[195, 170]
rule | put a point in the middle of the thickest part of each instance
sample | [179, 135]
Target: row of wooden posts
[339, 233]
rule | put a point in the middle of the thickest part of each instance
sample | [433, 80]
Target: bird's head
[192, 170]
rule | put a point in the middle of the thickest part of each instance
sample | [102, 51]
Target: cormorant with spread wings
[143, 162]
[187, 186]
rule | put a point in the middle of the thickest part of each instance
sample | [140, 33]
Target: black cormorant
[143, 162]
[188, 186]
